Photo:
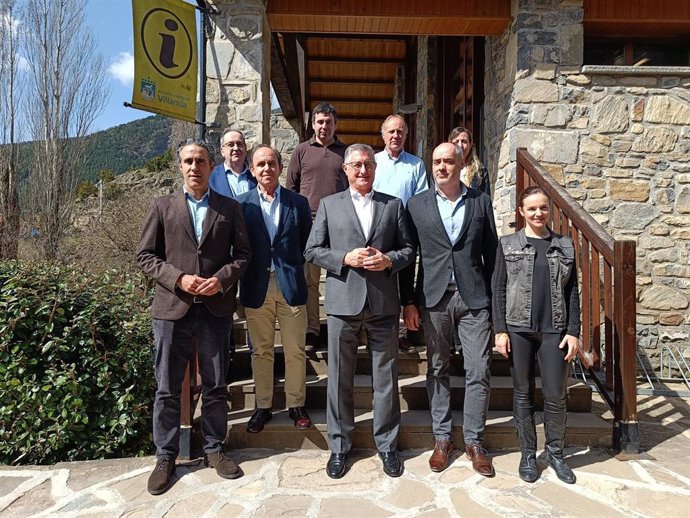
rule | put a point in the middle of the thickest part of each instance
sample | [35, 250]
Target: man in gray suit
[453, 226]
[194, 245]
[360, 237]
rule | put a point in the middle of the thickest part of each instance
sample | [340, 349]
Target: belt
[198, 300]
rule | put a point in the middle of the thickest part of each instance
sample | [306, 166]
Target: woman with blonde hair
[474, 174]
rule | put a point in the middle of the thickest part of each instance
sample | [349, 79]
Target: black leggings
[552, 367]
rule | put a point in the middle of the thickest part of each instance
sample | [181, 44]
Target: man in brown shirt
[316, 171]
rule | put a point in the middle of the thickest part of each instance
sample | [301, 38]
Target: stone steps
[584, 429]
[317, 363]
[412, 391]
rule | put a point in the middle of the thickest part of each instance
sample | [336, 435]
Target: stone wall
[618, 138]
[284, 138]
[238, 70]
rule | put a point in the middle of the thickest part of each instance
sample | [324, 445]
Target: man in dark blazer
[453, 227]
[360, 237]
[274, 285]
[194, 245]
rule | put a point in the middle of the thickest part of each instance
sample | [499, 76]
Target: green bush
[76, 376]
[160, 162]
[85, 189]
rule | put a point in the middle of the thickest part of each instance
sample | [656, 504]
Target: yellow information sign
[165, 58]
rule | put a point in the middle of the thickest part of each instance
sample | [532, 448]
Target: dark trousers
[343, 341]
[524, 348]
[441, 323]
[175, 343]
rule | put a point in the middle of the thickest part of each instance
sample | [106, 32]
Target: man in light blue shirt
[274, 286]
[232, 177]
[398, 173]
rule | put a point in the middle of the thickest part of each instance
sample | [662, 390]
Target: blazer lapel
[349, 209]
[377, 213]
[209, 220]
[181, 208]
[285, 208]
[434, 214]
[469, 209]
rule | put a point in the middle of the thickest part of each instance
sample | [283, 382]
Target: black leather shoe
[336, 465]
[391, 463]
[259, 418]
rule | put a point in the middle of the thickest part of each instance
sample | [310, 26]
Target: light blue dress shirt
[239, 184]
[402, 177]
[197, 211]
[271, 214]
[453, 216]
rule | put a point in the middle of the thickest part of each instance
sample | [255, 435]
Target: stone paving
[294, 483]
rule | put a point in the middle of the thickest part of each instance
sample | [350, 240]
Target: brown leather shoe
[161, 477]
[481, 462]
[439, 458]
[225, 466]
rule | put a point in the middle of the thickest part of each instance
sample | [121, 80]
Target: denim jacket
[519, 257]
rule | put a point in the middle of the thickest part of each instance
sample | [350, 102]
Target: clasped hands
[368, 258]
[199, 286]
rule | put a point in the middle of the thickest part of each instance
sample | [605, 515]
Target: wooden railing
[607, 270]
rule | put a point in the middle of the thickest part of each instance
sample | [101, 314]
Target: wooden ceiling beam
[349, 81]
[360, 100]
[384, 60]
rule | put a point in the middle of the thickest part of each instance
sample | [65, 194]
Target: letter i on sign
[167, 54]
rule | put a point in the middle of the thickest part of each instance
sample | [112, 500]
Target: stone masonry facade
[618, 138]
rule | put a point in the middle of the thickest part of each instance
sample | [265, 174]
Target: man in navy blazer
[232, 177]
[453, 227]
[274, 285]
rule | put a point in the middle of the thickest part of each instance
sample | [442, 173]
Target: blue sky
[111, 23]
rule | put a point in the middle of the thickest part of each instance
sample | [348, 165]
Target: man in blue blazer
[453, 227]
[232, 177]
[274, 285]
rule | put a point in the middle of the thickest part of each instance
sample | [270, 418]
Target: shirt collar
[230, 171]
[393, 159]
[190, 196]
[440, 194]
[314, 142]
[355, 195]
[276, 193]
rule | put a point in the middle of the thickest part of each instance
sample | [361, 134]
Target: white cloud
[122, 68]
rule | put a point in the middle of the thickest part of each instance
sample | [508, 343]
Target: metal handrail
[608, 275]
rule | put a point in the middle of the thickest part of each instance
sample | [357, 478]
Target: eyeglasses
[233, 144]
[358, 165]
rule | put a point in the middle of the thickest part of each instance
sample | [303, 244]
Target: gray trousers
[382, 336]
[474, 329]
[175, 343]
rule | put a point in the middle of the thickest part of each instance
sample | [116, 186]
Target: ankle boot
[555, 433]
[527, 435]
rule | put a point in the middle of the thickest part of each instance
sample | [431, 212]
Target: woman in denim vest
[536, 312]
